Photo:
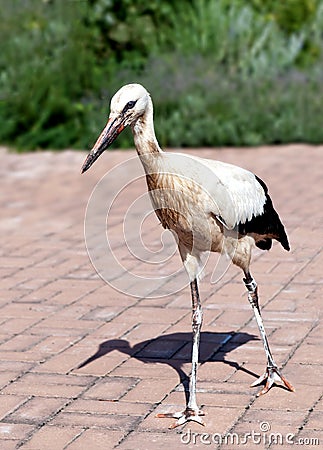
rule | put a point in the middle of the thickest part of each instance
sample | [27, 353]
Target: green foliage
[208, 107]
[48, 75]
[225, 72]
[127, 28]
[290, 15]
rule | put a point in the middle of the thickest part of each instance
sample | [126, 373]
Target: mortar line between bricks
[141, 348]
[98, 328]
[293, 350]
[310, 411]
[266, 303]
[219, 349]
[254, 398]
[150, 411]
[306, 419]
[76, 341]
[15, 408]
[30, 346]
[32, 264]
[89, 386]
[246, 408]
[34, 366]
[99, 378]
[55, 413]
[156, 404]
[74, 438]
[148, 341]
[29, 327]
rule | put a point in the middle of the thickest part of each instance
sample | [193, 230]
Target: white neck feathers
[144, 133]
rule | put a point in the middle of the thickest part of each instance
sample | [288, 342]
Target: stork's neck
[144, 134]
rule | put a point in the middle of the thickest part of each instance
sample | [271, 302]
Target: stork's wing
[254, 210]
[235, 196]
[238, 193]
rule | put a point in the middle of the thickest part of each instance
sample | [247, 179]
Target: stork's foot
[270, 377]
[189, 415]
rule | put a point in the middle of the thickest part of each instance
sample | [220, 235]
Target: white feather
[230, 192]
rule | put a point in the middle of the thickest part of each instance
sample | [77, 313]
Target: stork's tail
[266, 226]
[283, 239]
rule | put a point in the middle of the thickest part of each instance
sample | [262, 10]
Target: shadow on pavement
[175, 350]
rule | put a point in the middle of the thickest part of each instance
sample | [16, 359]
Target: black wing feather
[267, 225]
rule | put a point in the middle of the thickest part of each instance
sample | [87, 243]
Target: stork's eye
[129, 105]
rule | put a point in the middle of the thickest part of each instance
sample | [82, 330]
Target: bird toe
[183, 417]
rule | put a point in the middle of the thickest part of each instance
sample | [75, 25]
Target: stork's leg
[272, 374]
[192, 411]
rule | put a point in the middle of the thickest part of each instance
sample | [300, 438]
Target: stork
[210, 206]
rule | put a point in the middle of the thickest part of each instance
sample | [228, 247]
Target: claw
[272, 376]
[189, 415]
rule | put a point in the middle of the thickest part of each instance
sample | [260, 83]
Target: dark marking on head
[129, 105]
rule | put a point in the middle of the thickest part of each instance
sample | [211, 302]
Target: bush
[210, 108]
[48, 75]
[228, 72]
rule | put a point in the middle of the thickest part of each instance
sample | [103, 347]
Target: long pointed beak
[110, 132]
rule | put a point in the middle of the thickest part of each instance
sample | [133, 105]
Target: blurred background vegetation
[221, 72]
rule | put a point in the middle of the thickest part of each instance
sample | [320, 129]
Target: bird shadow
[175, 350]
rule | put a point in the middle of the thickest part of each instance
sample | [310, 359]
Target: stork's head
[127, 105]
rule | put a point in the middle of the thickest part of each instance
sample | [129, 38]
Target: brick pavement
[83, 366]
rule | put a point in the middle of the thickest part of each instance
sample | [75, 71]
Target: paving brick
[36, 410]
[48, 385]
[303, 399]
[14, 430]
[145, 331]
[51, 437]
[112, 330]
[20, 342]
[9, 444]
[14, 366]
[112, 421]
[303, 374]
[151, 315]
[111, 388]
[27, 356]
[104, 314]
[57, 314]
[217, 371]
[53, 344]
[288, 418]
[8, 403]
[101, 366]
[96, 439]
[67, 324]
[26, 310]
[121, 407]
[18, 325]
[155, 440]
[151, 368]
[7, 377]
[225, 399]
[217, 420]
[315, 421]
[150, 390]
[106, 296]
